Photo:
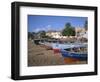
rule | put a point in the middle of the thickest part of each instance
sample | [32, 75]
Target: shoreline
[40, 56]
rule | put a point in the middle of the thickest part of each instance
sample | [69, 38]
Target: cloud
[37, 29]
[46, 28]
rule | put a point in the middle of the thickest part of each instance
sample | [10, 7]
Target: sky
[37, 23]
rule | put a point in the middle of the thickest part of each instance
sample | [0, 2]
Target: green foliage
[68, 30]
[86, 25]
[30, 35]
[42, 34]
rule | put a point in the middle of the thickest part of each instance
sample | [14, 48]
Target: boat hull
[67, 54]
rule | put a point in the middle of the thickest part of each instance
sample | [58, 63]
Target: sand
[38, 55]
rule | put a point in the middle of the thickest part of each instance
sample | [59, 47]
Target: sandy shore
[40, 56]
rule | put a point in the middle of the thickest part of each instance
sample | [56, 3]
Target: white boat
[67, 45]
[58, 46]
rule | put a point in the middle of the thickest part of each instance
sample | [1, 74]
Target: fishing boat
[79, 53]
[47, 45]
[61, 46]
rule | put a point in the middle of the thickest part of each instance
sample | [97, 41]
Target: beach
[38, 55]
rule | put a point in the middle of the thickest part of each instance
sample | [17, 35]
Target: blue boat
[77, 55]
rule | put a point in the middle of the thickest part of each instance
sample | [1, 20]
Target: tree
[86, 25]
[68, 30]
[31, 35]
[42, 34]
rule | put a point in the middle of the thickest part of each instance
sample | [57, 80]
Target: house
[54, 34]
[81, 32]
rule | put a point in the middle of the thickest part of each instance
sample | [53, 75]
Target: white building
[80, 32]
[54, 34]
[85, 35]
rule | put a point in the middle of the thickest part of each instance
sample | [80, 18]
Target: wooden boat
[47, 45]
[78, 54]
[59, 46]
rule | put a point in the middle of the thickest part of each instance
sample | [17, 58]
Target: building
[54, 34]
[81, 32]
